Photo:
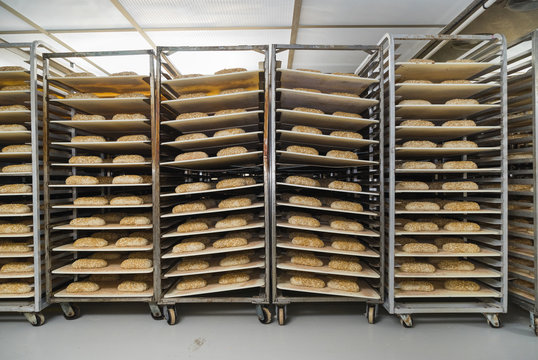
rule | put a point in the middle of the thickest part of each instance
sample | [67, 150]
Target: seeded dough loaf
[462, 226]
[14, 209]
[345, 263]
[303, 221]
[461, 285]
[132, 286]
[234, 260]
[310, 110]
[346, 134]
[15, 267]
[454, 123]
[461, 248]
[235, 277]
[301, 180]
[412, 185]
[76, 95]
[461, 206]
[419, 144]
[191, 282]
[425, 165]
[346, 225]
[90, 242]
[139, 137]
[235, 202]
[460, 144]
[192, 264]
[459, 185]
[455, 265]
[422, 61]
[460, 165]
[307, 240]
[82, 287]
[136, 264]
[416, 285]
[230, 242]
[422, 206]
[126, 200]
[91, 201]
[190, 187]
[346, 205]
[306, 129]
[188, 246]
[19, 168]
[131, 241]
[233, 150]
[302, 150]
[344, 185]
[135, 220]
[419, 248]
[342, 154]
[230, 111]
[342, 242]
[228, 132]
[235, 182]
[307, 281]
[192, 225]
[89, 264]
[439, 242]
[417, 267]
[9, 246]
[346, 114]
[188, 207]
[304, 200]
[85, 160]
[306, 259]
[461, 102]
[13, 108]
[87, 221]
[90, 138]
[230, 222]
[414, 102]
[343, 284]
[416, 123]
[127, 159]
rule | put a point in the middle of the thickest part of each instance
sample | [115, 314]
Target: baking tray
[327, 189]
[252, 225]
[215, 83]
[107, 126]
[323, 140]
[103, 227]
[440, 71]
[15, 136]
[217, 162]
[367, 271]
[105, 84]
[14, 77]
[327, 208]
[291, 78]
[440, 92]
[443, 293]
[16, 255]
[72, 206]
[17, 296]
[440, 212]
[484, 252]
[212, 103]
[366, 292]
[196, 144]
[110, 247]
[16, 194]
[216, 210]
[290, 99]
[107, 290]
[15, 174]
[109, 146]
[17, 275]
[20, 235]
[325, 121]
[400, 231]
[97, 185]
[440, 151]
[214, 122]
[448, 171]
[213, 190]
[448, 191]
[113, 267]
[11, 97]
[215, 268]
[328, 229]
[214, 287]
[15, 155]
[287, 157]
[441, 111]
[108, 106]
[478, 272]
[106, 165]
[521, 293]
[441, 132]
[15, 117]
[252, 245]
[286, 244]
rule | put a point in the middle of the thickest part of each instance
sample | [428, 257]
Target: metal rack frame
[523, 86]
[371, 67]
[70, 311]
[32, 54]
[485, 48]
[262, 300]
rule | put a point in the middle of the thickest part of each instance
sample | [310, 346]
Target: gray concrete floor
[314, 331]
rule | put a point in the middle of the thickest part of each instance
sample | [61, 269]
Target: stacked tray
[522, 132]
[447, 198]
[212, 185]
[17, 181]
[327, 207]
[100, 187]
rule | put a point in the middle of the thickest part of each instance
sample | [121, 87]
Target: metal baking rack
[357, 93]
[487, 85]
[32, 303]
[59, 127]
[211, 101]
[522, 154]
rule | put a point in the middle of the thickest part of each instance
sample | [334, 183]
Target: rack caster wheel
[264, 314]
[370, 314]
[36, 319]
[493, 320]
[406, 321]
[170, 314]
[282, 315]
[71, 312]
[156, 312]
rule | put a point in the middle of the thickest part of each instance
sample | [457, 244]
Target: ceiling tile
[69, 14]
[210, 13]
[390, 12]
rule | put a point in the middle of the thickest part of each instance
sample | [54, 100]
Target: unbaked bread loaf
[136, 263]
[301, 180]
[460, 165]
[234, 260]
[422, 61]
[460, 144]
[419, 144]
[230, 242]
[424, 165]
[192, 264]
[89, 138]
[462, 226]
[461, 285]
[461, 206]
[235, 277]
[346, 134]
[191, 187]
[412, 185]
[414, 102]
[306, 259]
[85, 160]
[460, 185]
[304, 200]
[343, 242]
[309, 240]
[126, 200]
[233, 150]
[228, 132]
[346, 114]
[343, 284]
[303, 221]
[87, 263]
[82, 287]
[135, 220]
[309, 110]
[419, 248]
[230, 111]
[346, 205]
[192, 225]
[133, 286]
[341, 154]
[422, 206]
[189, 207]
[131, 241]
[454, 123]
[346, 225]
[235, 182]
[86, 117]
[461, 102]
[188, 246]
[19, 168]
[415, 226]
[461, 248]
[416, 123]
[13, 108]
[14, 209]
[416, 285]
[90, 242]
[304, 280]
[344, 263]
[128, 159]
[16, 267]
[139, 137]
[455, 265]
[230, 222]
[9, 246]
[344, 185]
[417, 267]
[302, 150]
[87, 221]
[76, 95]
[235, 202]
[191, 283]
[91, 201]
[306, 129]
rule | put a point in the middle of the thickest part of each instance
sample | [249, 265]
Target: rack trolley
[21, 250]
[214, 178]
[523, 217]
[327, 187]
[99, 183]
[447, 181]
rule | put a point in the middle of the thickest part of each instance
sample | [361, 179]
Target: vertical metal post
[534, 58]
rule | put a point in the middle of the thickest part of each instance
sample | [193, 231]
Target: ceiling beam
[133, 22]
[297, 5]
[45, 32]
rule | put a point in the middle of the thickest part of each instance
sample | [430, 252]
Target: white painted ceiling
[95, 25]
